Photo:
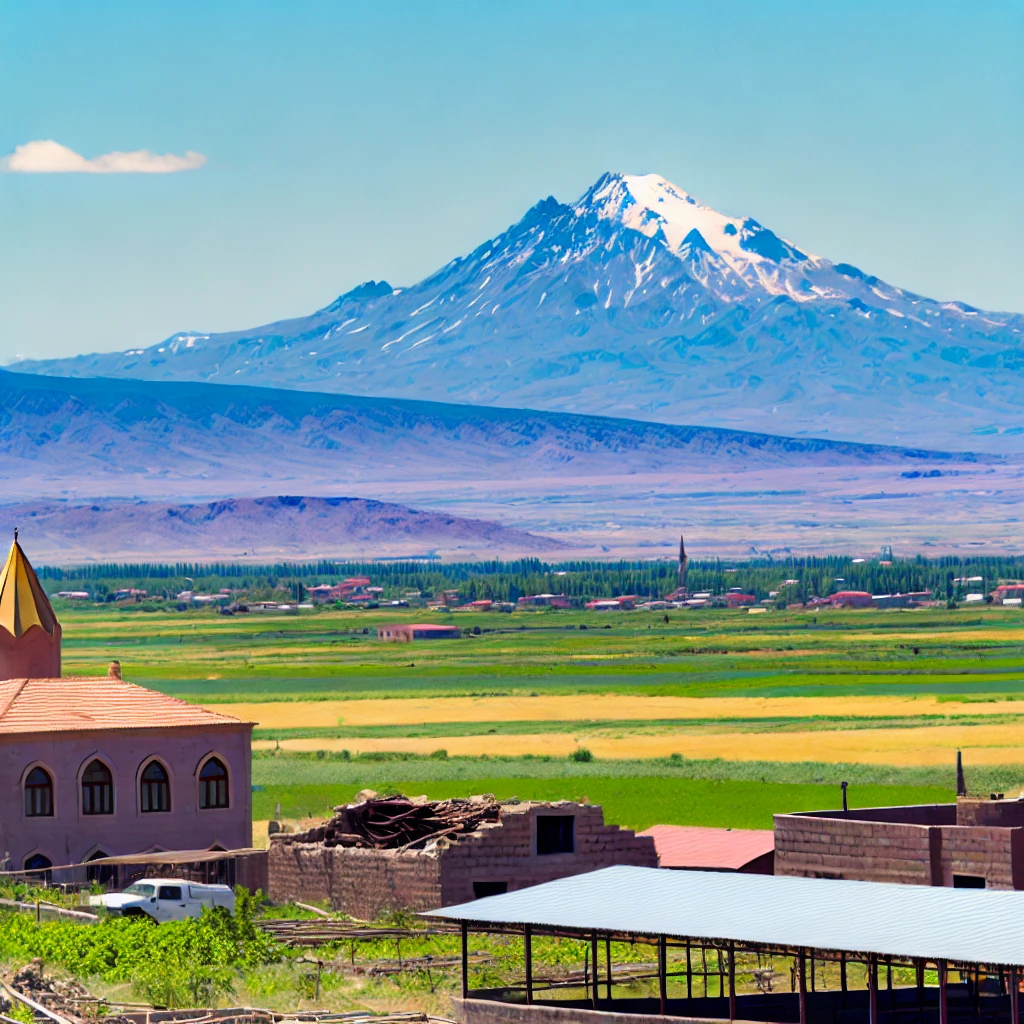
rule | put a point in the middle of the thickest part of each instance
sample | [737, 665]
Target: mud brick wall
[362, 883]
[995, 854]
[506, 852]
[871, 851]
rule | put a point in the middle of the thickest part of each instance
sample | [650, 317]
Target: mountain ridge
[637, 301]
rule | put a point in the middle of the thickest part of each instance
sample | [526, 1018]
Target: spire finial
[15, 535]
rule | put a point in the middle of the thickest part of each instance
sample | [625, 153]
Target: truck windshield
[140, 889]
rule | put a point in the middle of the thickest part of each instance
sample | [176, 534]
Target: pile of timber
[305, 933]
[399, 822]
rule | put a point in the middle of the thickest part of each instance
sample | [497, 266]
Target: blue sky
[351, 141]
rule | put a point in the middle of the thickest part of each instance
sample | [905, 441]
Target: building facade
[99, 767]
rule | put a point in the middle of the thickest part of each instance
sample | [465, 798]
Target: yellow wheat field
[593, 707]
[925, 745]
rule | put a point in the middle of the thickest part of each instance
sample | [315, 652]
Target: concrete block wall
[507, 852]
[872, 851]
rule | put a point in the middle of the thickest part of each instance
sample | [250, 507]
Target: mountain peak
[650, 204]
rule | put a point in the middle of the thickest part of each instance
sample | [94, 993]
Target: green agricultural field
[329, 654]
[711, 717]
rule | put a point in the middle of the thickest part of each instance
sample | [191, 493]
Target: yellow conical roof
[23, 603]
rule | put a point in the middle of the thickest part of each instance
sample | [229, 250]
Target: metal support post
[465, 960]
[732, 981]
[801, 972]
[689, 973]
[1014, 996]
[608, 963]
[596, 974]
[872, 989]
[528, 956]
[842, 972]
[943, 1003]
[663, 971]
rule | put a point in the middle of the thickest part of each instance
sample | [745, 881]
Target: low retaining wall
[485, 1011]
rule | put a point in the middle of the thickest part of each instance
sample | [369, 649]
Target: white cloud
[45, 156]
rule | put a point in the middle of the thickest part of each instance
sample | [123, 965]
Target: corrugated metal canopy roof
[932, 923]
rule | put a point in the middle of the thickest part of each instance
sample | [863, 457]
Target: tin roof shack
[787, 949]
[970, 844]
[402, 853]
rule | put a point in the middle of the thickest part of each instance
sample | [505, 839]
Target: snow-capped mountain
[636, 300]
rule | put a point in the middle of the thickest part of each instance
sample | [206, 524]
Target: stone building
[98, 767]
[970, 844]
[525, 844]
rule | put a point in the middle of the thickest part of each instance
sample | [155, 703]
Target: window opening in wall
[99, 874]
[97, 789]
[38, 794]
[155, 793]
[213, 784]
[968, 882]
[482, 889]
[39, 866]
[555, 833]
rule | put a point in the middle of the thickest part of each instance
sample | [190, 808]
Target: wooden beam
[465, 960]
[662, 971]
[943, 1003]
[872, 989]
[732, 981]
[528, 956]
[801, 971]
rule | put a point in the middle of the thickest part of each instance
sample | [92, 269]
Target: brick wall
[485, 1011]
[871, 851]
[814, 846]
[362, 883]
[507, 852]
[365, 883]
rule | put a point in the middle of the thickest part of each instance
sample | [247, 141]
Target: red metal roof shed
[751, 851]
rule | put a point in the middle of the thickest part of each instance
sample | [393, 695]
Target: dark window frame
[155, 793]
[38, 794]
[556, 833]
[97, 792]
[214, 791]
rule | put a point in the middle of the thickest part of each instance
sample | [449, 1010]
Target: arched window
[101, 873]
[39, 866]
[38, 794]
[155, 792]
[97, 789]
[213, 784]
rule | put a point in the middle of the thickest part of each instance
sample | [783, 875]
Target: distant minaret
[684, 561]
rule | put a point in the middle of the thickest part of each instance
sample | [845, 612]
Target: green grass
[632, 802]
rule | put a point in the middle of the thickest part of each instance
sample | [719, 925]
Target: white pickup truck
[165, 899]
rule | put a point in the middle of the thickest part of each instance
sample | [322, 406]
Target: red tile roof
[77, 704]
[721, 849]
